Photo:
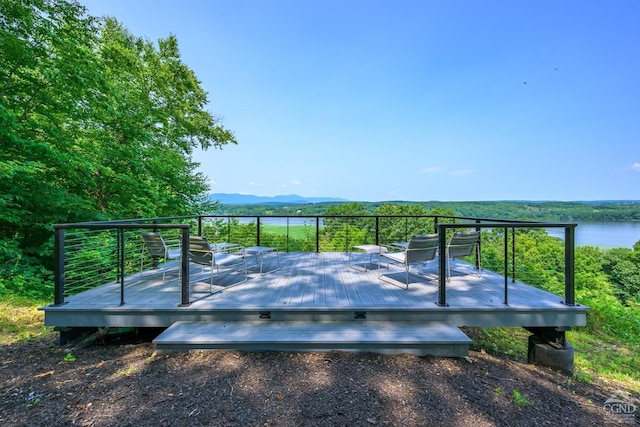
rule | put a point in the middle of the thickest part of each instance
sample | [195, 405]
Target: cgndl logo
[620, 410]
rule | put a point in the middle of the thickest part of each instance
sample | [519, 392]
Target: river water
[604, 235]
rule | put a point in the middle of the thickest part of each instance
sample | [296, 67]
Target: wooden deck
[318, 287]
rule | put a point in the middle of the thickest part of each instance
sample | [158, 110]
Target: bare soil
[129, 384]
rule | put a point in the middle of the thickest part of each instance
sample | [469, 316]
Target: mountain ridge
[250, 199]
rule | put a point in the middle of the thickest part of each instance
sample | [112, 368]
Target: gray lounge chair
[463, 244]
[421, 248]
[201, 252]
[155, 246]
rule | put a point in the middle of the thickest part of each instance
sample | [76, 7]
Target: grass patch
[597, 356]
[298, 232]
[20, 320]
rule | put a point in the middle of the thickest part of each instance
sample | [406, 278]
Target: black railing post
[479, 248]
[317, 234]
[58, 297]
[442, 267]
[569, 264]
[377, 230]
[120, 252]
[184, 267]
[346, 234]
[155, 262]
[406, 228]
[199, 225]
[258, 230]
[287, 235]
[506, 266]
[513, 255]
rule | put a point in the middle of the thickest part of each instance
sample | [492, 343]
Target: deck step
[387, 337]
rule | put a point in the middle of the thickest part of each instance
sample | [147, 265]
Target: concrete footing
[551, 354]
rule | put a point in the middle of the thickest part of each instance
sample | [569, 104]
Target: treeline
[521, 210]
[95, 123]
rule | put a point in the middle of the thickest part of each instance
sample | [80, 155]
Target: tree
[94, 124]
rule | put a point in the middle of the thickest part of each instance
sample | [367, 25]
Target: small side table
[258, 252]
[365, 249]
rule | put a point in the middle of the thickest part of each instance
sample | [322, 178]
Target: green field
[298, 232]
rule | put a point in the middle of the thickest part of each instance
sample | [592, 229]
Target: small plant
[69, 358]
[498, 391]
[127, 372]
[519, 399]
[33, 399]
[34, 403]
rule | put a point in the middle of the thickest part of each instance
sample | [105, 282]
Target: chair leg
[141, 260]
[406, 276]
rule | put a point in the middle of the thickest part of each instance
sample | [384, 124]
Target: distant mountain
[249, 199]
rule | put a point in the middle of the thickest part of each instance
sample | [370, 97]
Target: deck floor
[321, 282]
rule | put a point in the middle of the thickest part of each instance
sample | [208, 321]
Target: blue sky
[412, 100]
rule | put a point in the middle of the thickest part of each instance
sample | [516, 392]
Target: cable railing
[93, 254]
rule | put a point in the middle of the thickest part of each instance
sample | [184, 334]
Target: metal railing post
[513, 255]
[317, 234]
[184, 267]
[569, 264]
[258, 231]
[479, 248]
[58, 298]
[506, 266]
[120, 252]
[442, 267]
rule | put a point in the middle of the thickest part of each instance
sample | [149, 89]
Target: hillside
[530, 210]
[130, 384]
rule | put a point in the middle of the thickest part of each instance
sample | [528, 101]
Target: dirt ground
[129, 384]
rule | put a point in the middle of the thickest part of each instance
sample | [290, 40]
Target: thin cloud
[635, 167]
[254, 184]
[295, 182]
[431, 169]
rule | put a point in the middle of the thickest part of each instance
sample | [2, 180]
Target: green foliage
[21, 274]
[95, 123]
[623, 267]
[527, 210]
[519, 399]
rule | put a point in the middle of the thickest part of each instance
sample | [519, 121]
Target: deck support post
[548, 347]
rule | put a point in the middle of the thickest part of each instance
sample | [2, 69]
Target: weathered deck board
[320, 285]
